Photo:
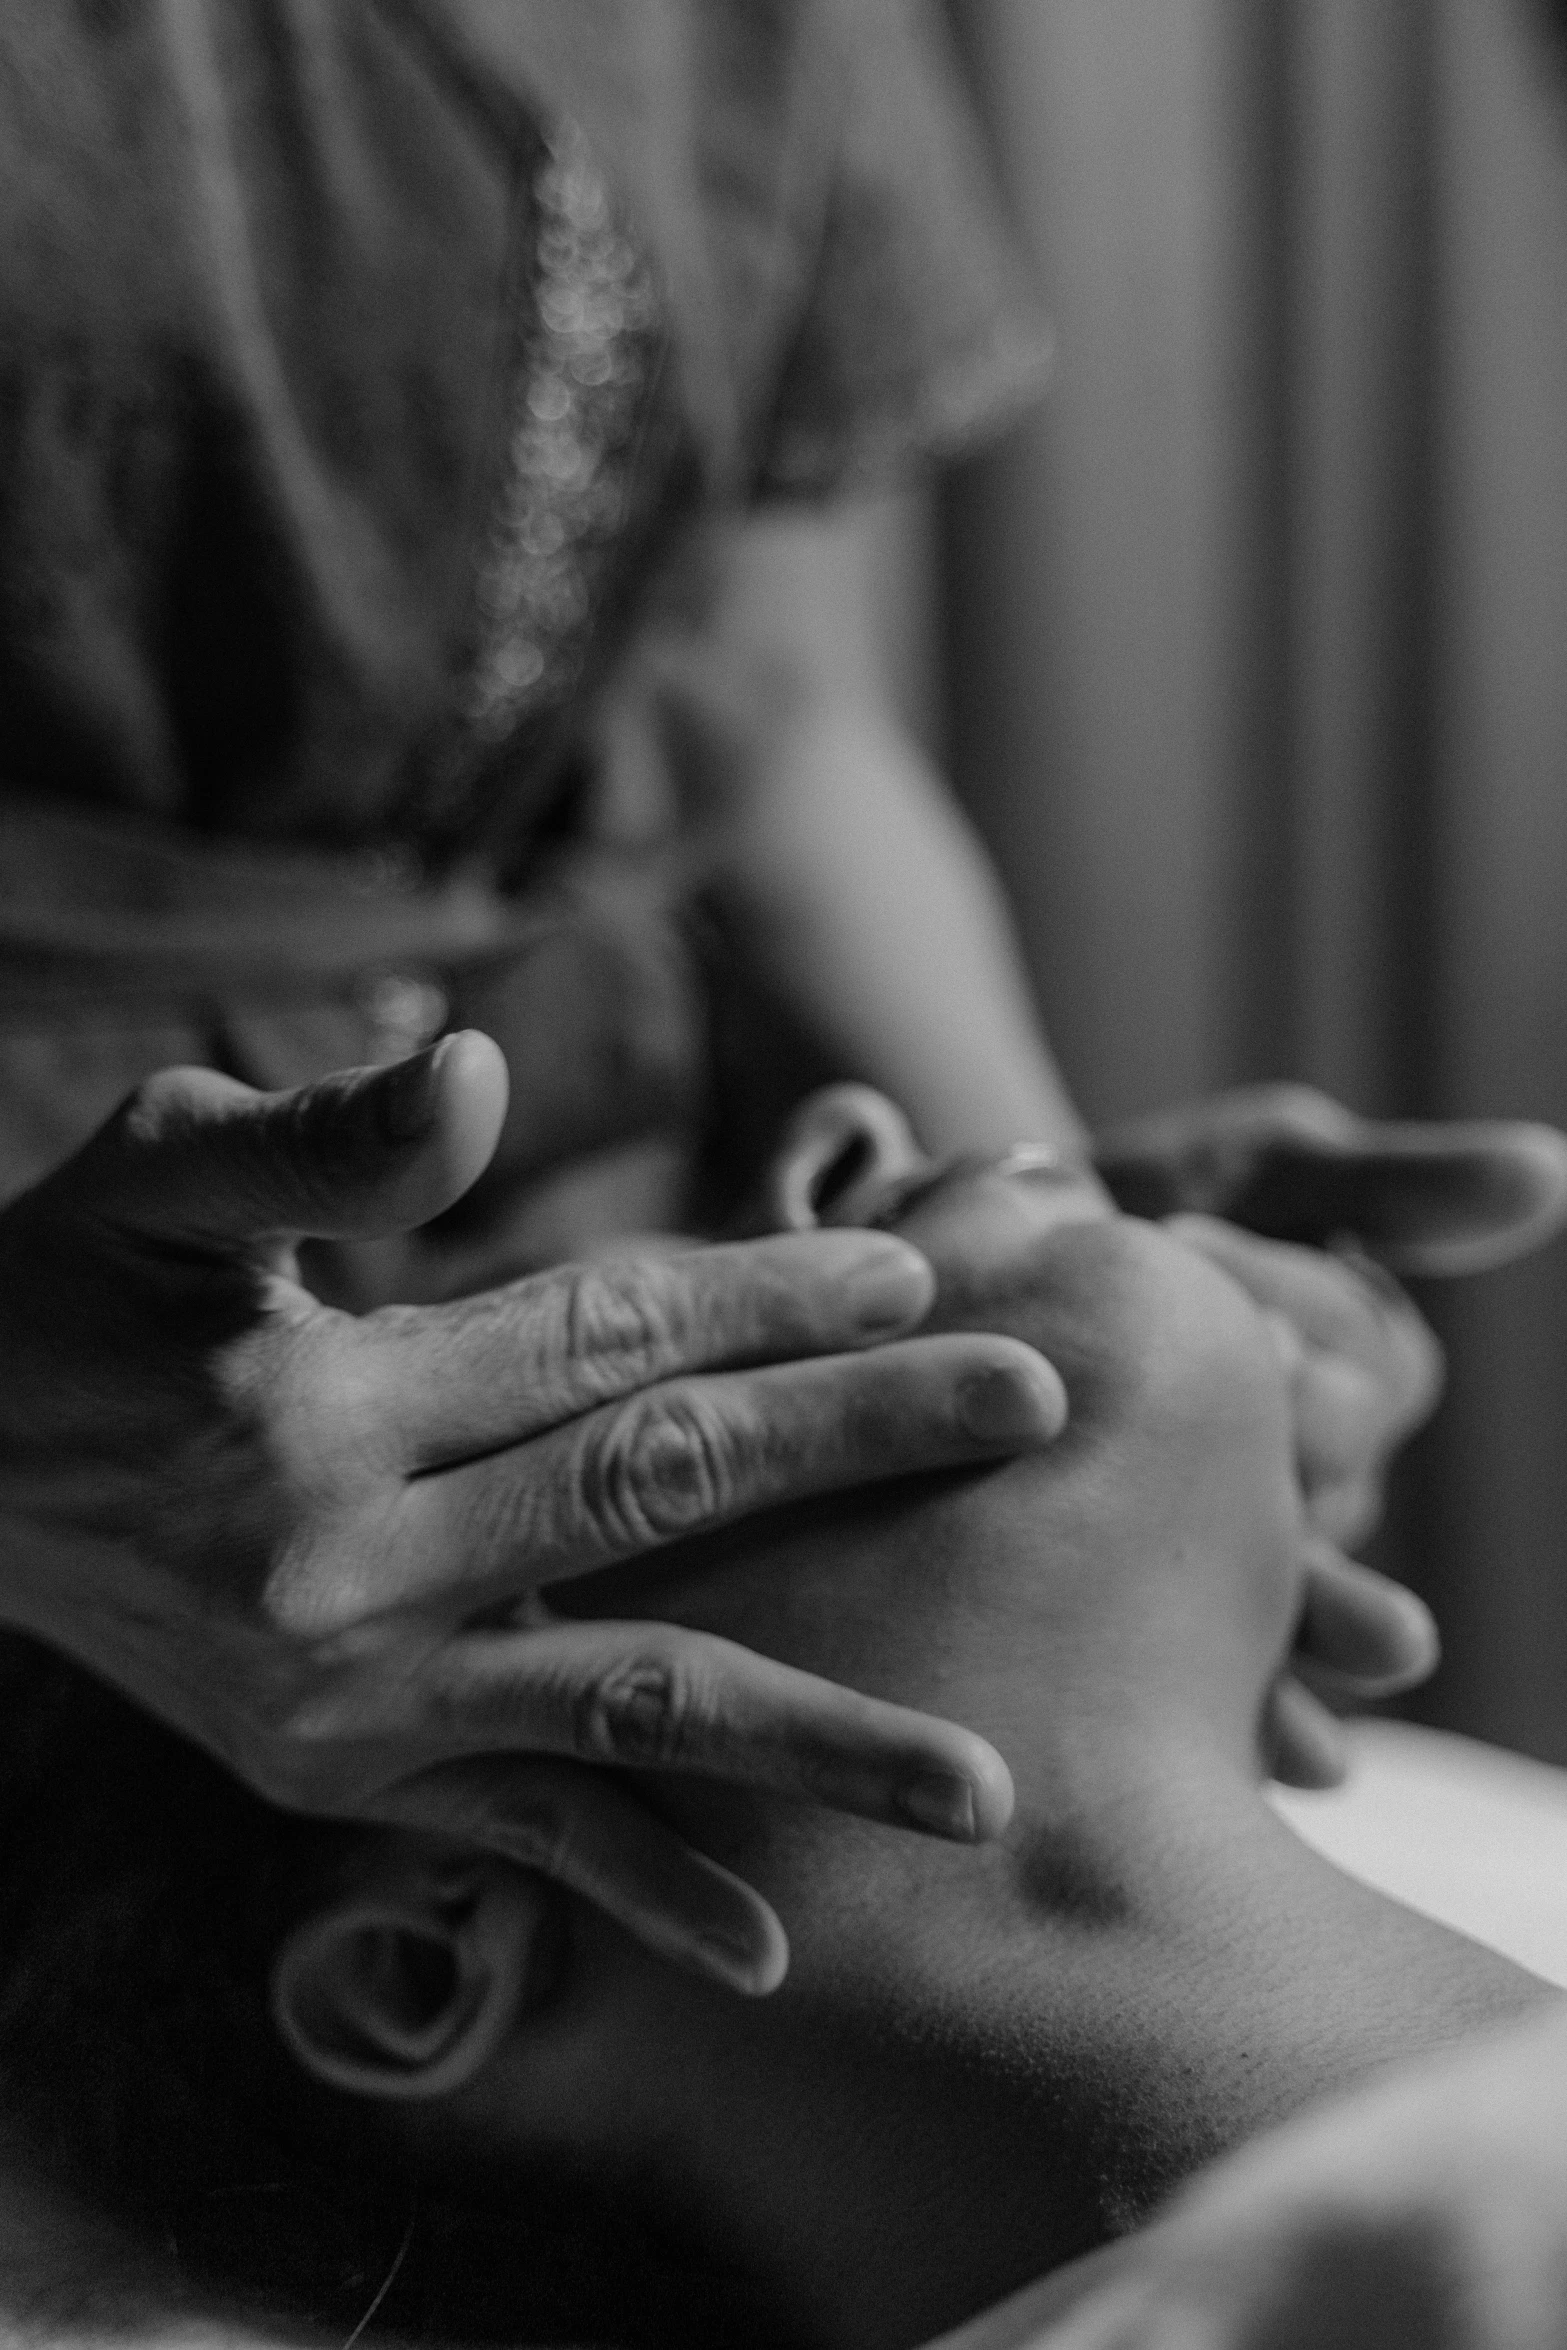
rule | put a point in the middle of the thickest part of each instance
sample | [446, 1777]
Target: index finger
[451, 1383]
[691, 1455]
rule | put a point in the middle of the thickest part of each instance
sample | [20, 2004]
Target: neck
[985, 2064]
[984, 2061]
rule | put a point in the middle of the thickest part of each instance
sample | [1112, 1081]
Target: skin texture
[336, 1724]
[369, 1482]
[849, 1151]
[986, 2062]
[975, 2072]
[818, 824]
[274, 1524]
[1426, 2209]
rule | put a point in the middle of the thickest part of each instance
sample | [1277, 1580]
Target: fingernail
[405, 1095]
[1013, 1406]
[889, 1288]
[944, 1807]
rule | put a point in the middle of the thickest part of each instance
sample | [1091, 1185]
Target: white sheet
[1466, 1833]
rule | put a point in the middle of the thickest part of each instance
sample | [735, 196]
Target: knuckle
[1342, 1393]
[150, 1107]
[1334, 1309]
[640, 1712]
[350, 1703]
[173, 1107]
[616, 1323]
[663, 1466]
[315, 1592]
[534, 1832]
[338, 1439]
[159, 1114]
[597, 1332]
[281, 1377]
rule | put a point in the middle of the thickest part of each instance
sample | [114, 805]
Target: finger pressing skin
[1302, 1741]
[1360, 1630]
[656, 1697]
[1341, 1418]
[456, 1381]
[1413, 1366]
[697, 1453]
[1335, 1306]
[580, 1828]
[1348, 1510]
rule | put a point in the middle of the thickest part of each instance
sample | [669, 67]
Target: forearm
[862, 894]
[867, 903]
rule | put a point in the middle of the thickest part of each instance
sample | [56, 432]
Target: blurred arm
[864, 897]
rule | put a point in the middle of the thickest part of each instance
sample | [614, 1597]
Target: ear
[839, 1151]
[406, 1984]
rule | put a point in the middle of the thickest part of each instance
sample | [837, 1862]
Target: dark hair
[142, 1893]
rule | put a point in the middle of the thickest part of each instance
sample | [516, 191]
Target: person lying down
[298, 2059]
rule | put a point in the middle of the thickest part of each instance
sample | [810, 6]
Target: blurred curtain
[1257, 638]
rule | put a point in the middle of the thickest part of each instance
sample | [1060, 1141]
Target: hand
[315, 1543]
[1364, 1368]
[1287, 1164]
[1363, 1371]
[1291, 1164]
[1359, 1636]
[1428, 2208]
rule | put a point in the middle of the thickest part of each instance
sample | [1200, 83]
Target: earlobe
[407, 1985]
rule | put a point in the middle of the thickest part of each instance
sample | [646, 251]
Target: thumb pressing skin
[198, 1157]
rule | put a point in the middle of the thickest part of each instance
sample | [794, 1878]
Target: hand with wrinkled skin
[316, 1543]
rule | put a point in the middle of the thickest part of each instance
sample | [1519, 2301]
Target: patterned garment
[586, 473]
[360, 371]
[356, 365]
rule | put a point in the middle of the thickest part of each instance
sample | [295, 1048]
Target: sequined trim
[591, 347]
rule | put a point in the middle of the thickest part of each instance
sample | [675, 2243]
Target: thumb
[197, 1156]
